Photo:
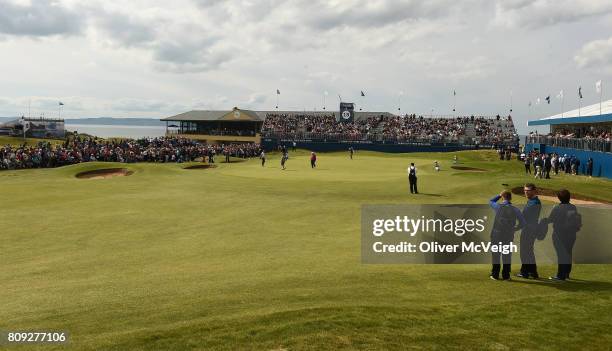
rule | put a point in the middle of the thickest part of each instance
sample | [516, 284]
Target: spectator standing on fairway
[503, 230]
[436, 166]
[351, 152]
[566, 223]
[538, 164]
[576, 166]
[531, 212]
[262, 156]
[294, 145]
[313, 160]
[589, 167]
[412, 178]
[527, 164]
[547, 165]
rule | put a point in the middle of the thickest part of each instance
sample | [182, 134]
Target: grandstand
[585, 133]
[328, 131]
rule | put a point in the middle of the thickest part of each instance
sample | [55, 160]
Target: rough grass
[245, 257]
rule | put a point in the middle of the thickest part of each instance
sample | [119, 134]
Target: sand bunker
[551, 195]
[205, 166]
[469, 169]
[105, 173]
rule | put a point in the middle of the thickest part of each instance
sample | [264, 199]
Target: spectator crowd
[474, 130]
[87, 149]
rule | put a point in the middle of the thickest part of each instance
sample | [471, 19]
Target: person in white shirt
[412, 178]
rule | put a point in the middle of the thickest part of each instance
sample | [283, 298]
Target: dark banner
[347, 111]
[444, 234]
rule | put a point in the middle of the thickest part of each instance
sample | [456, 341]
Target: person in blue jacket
[504, 226]
[531, 212]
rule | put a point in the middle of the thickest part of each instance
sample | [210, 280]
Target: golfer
[284, 158]
[313, 160]
[412, 178]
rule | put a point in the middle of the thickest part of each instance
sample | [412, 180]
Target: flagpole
[600, 94]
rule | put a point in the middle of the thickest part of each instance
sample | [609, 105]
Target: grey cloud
[42, 18]
[367, 14]
[190, 56]
[534, 14]
[125, 30]
[597, 53]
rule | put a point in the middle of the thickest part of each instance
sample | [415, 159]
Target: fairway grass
[248, 257]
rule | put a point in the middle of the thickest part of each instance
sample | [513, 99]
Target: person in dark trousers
[294, 145]
[566, 223]
[504, 226]
[589, 167]
[351, 152]
[576, 166]
[227, 155]
[538, 165]
[313, 160]
[548, 165]
[531, 212]
[527, 164]
[412, 178]
[262, 156]
[284, 158]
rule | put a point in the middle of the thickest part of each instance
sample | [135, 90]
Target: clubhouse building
[236, 125]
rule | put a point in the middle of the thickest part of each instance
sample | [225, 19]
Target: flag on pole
[548, 99]
[598, 86]
[277, 92]
[580, 92]
[362, 94]
[529, 103]
[61, 103]
[537, 101]
[25, 124]
[560, 95]
[454, 93]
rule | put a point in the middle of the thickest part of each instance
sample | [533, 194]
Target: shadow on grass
[434, 195]
[569, 285]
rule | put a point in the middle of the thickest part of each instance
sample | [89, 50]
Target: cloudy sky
[158, 58]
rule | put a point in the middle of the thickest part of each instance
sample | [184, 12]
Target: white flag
[560, 96]
[598, 86]
[538, 101]
[25, 125]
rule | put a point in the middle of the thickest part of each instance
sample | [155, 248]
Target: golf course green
[242, 256]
